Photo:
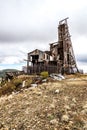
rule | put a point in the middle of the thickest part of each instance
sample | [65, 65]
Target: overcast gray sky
[29, 24]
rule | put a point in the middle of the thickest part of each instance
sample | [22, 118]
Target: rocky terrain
[53, 105]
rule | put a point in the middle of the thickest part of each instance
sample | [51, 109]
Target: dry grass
[59, 105]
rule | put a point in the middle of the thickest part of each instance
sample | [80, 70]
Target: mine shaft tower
[59, 59]
[66, 61]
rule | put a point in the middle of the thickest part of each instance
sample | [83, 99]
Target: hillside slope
[2, 72]
[58, 105]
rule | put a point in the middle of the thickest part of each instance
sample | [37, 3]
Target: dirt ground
[55, 105]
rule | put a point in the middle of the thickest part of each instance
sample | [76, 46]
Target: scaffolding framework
[68, 62]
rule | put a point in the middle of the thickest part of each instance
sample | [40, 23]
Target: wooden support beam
[60, 22]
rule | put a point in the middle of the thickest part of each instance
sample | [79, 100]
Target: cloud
[12, 66]
[38, 20]
[82, 66]
[16, 53]
[79, 22]
[10, 54]
[11, 60]
[26, 25]
[82, 58]
[30, 35]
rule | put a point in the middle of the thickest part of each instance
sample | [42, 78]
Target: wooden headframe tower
[67, 62]
[60, 58]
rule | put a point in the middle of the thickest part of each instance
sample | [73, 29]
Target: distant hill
[2, 72]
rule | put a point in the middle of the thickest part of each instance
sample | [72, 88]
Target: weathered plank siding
[39, 69]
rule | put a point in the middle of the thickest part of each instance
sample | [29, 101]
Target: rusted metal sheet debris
[60, 58]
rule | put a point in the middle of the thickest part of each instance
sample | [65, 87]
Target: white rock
[10, 97]
[44, 80]
[23, 84]
[13, 93]
[33, 85]
[65, 118]
[57, 91]
[54, 122]
[39, 93]
[67, 128]
[52, 106]
[74, 100]
[70, 123]
[57, 76]
[84, 111]
[61, 76]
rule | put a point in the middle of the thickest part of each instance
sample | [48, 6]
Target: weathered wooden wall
[39, 69]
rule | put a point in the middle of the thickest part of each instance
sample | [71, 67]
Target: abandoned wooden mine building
[59, 59]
